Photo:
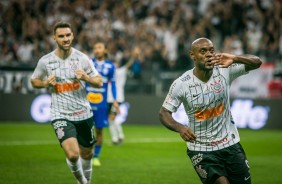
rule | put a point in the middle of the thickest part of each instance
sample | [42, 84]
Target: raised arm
[224, 60]
[135, 54]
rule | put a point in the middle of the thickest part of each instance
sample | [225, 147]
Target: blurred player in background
[65, 71]
[115, 127]
[212, 136]
[98, 96]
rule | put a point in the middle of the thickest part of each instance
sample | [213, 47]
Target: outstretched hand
[223, 60]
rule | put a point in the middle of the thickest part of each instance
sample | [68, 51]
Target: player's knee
[87, 154]
[73, 156]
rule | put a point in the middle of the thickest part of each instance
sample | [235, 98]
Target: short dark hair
[61, 24]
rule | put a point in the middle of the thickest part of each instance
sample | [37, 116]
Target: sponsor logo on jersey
[213, 112]
[194, 85]
[60, 133]
[79, 113]
[95, 98]
[52, 62]
[197, 159]
[212, 142]
[185, 78]
[66, 87]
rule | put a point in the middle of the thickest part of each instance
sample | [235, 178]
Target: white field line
[107, 141]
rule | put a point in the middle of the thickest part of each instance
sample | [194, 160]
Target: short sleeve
[89, 68]
[174, 97]
[236, 70]
[40, 71]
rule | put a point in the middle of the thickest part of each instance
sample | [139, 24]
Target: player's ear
[192, 56]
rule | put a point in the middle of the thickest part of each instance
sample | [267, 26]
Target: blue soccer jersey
[98, 96]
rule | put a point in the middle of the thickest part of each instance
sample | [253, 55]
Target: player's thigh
[66, 134]
[71, 148]
[101, 118]
[221, 180]
[237, 166]
[64, 129]
[85, 133]
[207, 165]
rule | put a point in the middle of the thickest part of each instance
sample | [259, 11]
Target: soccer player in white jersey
[65, 71]
[116, 130]
[212, 137]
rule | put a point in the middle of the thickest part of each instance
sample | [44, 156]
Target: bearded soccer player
[212, 137]
[98, 97]
[65, 71]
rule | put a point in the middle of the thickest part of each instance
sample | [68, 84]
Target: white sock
[119, 130]
[113, 131]
[87, 168]
[76, 170]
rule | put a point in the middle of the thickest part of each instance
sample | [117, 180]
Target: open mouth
[208, 60]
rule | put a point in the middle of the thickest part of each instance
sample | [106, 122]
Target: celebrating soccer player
[212, 137]
[65, 71]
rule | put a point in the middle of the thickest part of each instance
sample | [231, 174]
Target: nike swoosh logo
[246, 178]
[195, 95]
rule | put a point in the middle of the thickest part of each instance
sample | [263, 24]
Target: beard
[205, 66]
[64, 47]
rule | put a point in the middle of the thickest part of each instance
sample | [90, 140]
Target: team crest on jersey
[216, 86]
[202, 173]
[73, 65]
[60, 133]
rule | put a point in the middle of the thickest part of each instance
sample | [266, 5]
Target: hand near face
[223, 60]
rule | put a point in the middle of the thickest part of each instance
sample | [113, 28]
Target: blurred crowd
[162, 29]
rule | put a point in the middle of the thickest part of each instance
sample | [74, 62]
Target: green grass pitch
[30, 153]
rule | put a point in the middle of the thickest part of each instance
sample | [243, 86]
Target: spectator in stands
[128, 23]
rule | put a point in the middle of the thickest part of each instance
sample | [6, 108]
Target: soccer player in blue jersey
[98, 96]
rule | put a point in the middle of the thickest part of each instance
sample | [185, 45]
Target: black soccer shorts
[230, 162]
[82, 130]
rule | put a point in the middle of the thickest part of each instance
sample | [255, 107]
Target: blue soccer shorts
[101, 118]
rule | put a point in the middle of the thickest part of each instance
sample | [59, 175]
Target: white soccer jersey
[120, 83]
[68, 95]
[207, 107]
